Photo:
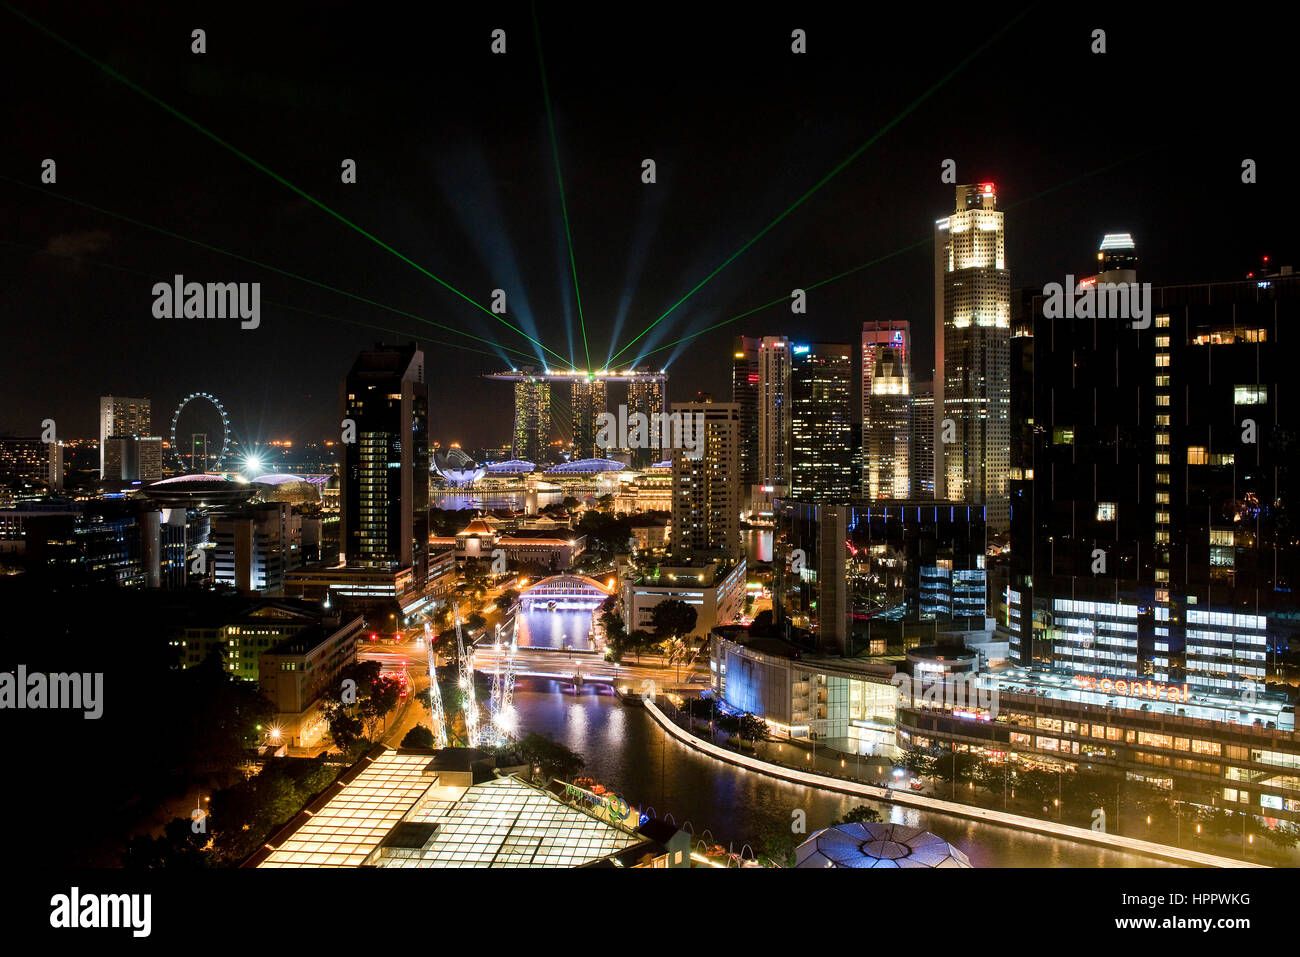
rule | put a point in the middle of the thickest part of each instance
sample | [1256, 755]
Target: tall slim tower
[774, 411]
[121, 416]
[647, 397]
[590, 401]
[532, 432]
[972, 355]
[921, 451]
[890, 339]
[385, 474]
[745, 393]
[706, 495]
[821, 385]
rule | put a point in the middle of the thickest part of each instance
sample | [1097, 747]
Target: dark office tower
[646, 396]
[385, 474]
[745, 393]
[821, 422]
[886, 458]
[590, 402]
[921, 448]
[972, 334]
[877, 335]
[1156, 542]
[531, 438]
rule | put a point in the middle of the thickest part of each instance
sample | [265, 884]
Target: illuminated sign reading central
[1135, 688]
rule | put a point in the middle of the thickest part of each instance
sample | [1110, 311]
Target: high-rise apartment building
[774, 421]
[745, 393]
[706, 493]
[886, 410]
[972, 355]
[531, 437]
[821, 422]
[121, 416]
[385, 473]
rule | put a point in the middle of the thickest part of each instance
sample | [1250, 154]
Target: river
[627, 752]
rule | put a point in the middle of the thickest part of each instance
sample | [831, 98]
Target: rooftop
[392, 810]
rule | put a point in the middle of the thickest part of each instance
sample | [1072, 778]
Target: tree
[675, 651]
[551, 758]
[762, 625]
[418, 737]
[356, 712]
[862, 814]
[638, 640]
[918, 761]
[672, 619]
[752, 727]
[506, 599]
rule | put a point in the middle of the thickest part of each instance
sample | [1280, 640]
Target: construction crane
[494, 702]
[472, 733]
[508, 685]
[435, 694]
[503, 687]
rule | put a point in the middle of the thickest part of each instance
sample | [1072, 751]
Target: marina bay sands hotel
[589, 397]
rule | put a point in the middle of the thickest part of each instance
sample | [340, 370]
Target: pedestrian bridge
[566, 591]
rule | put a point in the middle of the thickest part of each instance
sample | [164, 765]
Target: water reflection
[562, 628]
[757, 543]
[627, 752]
[453, 501]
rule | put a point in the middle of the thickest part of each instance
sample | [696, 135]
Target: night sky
[455, 170]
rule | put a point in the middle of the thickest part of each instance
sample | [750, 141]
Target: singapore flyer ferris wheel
[195, 447]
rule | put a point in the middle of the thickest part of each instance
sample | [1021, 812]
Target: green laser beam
[559, 179]
[267, 266]
[942, 81]
[194, 124]
[269, 302]
[897, 252]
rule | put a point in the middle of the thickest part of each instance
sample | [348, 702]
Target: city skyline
[628, 244]
[680, 438]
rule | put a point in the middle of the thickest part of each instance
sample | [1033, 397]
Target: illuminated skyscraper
[647, 397]
[774, 411]
[589, 402]
[745, 393]
[121, 416]
[972, 355]
[532, 432]
[886, 422]
[385, 474]
[821, 416]
[706, 494]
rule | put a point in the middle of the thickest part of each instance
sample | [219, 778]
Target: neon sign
[1135, 688]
